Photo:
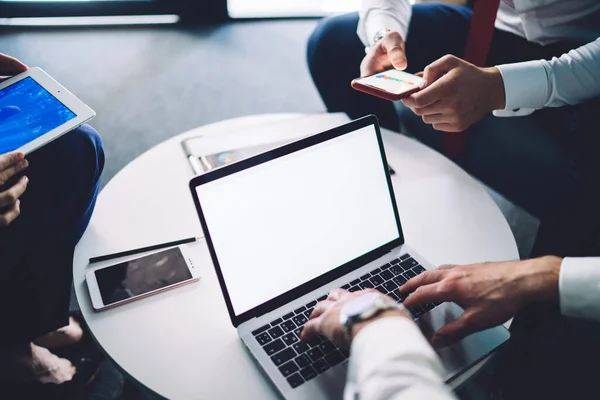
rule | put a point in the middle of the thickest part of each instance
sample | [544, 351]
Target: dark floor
[149, 84]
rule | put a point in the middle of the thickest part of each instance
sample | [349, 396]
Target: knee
[325, 42]
[89, 150]
[64, 176]
[86, 146]
[79, 157]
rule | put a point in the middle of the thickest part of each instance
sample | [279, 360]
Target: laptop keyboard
[299, 361]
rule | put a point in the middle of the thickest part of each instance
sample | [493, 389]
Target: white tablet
[35, 109]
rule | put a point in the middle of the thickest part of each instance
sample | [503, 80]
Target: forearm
[383, 14]
[574, 282]
[570, 79]
[390, 359]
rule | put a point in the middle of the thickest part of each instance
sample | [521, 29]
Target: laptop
[287, 226]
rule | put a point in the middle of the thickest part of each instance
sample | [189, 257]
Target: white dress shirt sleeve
[376, 15]
[579, 288]
[570, 79]
[390, 359]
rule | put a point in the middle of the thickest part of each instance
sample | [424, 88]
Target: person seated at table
[547, 163]
[46, 202]
[528, 159]
[554, 345]
[554, 297]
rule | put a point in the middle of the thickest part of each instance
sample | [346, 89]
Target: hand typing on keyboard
[325, 319]
[300, 361]
[490, 293]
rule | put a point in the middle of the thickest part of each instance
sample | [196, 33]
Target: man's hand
[325, 318]
[10, 66]
[385, 54]
[457, 94]
[490, 293]
[11, 164]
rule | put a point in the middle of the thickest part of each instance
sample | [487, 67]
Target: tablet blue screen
[28, 111]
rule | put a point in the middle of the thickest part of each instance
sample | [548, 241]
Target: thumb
[398, 58]
[10, 65]
[393, 45]
[456, 330]
[437, 69]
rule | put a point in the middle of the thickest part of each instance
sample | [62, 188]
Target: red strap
[477, 49]
[481, 31]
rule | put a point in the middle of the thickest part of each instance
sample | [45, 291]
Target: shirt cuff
[378, 344]
[579, 288]
[525, 84]
[376, 20]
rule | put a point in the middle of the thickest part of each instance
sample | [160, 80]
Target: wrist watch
[366, 307]
[376, 38]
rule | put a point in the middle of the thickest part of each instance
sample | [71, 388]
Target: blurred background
[207, 10]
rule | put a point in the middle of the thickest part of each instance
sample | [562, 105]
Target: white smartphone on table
[140, 277]
[35, 110]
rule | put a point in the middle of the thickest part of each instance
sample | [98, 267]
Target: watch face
[361, 304]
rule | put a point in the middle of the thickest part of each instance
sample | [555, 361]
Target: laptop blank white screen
[282, 223]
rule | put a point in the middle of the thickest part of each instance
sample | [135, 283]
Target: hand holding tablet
[10, 66]
[34, 108]
[11, 165]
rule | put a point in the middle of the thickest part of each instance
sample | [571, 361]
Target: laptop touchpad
[429, 323]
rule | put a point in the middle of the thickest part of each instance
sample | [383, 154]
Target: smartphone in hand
[389, 85]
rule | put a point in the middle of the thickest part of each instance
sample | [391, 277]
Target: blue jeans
[527, 159]
[36, 250]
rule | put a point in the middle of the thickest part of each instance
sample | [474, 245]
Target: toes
[60, 373]
[46, 367]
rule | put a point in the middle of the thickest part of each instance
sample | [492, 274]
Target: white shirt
[385, 368]
[570, 79]
[579, 288]
[390, 359]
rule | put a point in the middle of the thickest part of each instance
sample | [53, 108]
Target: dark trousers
[550, 356]
[546, 163]
[526, 159]
[36, 250]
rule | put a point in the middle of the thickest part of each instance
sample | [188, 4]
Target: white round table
[181, 344]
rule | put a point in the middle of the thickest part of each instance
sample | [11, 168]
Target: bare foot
[49, 368]
[37, 364]
[63, 337]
